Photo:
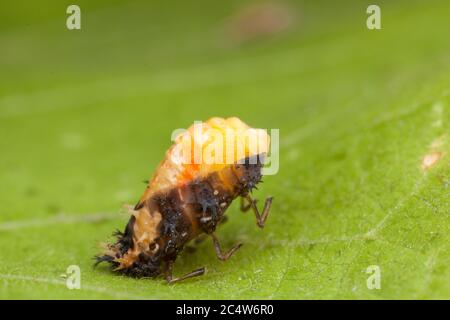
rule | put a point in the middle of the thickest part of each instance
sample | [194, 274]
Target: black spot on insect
[104, 258]
[175, 225]
[144, 266]
[126, 238]
[171, 215]
[123, 243]
[205, 199]
[139, 205]
[250, 169]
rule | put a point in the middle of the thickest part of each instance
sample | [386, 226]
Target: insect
[187, 200]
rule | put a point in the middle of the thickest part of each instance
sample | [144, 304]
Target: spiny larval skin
[177, 208]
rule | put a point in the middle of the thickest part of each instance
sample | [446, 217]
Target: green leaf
[86, 115]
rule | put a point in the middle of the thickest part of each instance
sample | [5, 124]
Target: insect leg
[260, 218]
[201, 238]
[245, 206]
[220, 254]
[191, 248]
[224, 219]
[170, 279]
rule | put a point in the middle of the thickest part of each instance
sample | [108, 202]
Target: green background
[86, 116]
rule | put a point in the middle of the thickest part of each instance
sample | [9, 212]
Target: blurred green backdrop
[86, 115]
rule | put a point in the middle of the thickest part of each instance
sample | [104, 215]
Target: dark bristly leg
[245, 206]
[190, 249]
[220, 254]
[170, 279]
[224, 220]
[200, 239]
[260, 218]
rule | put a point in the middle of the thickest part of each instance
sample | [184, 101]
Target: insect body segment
[166, 219]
